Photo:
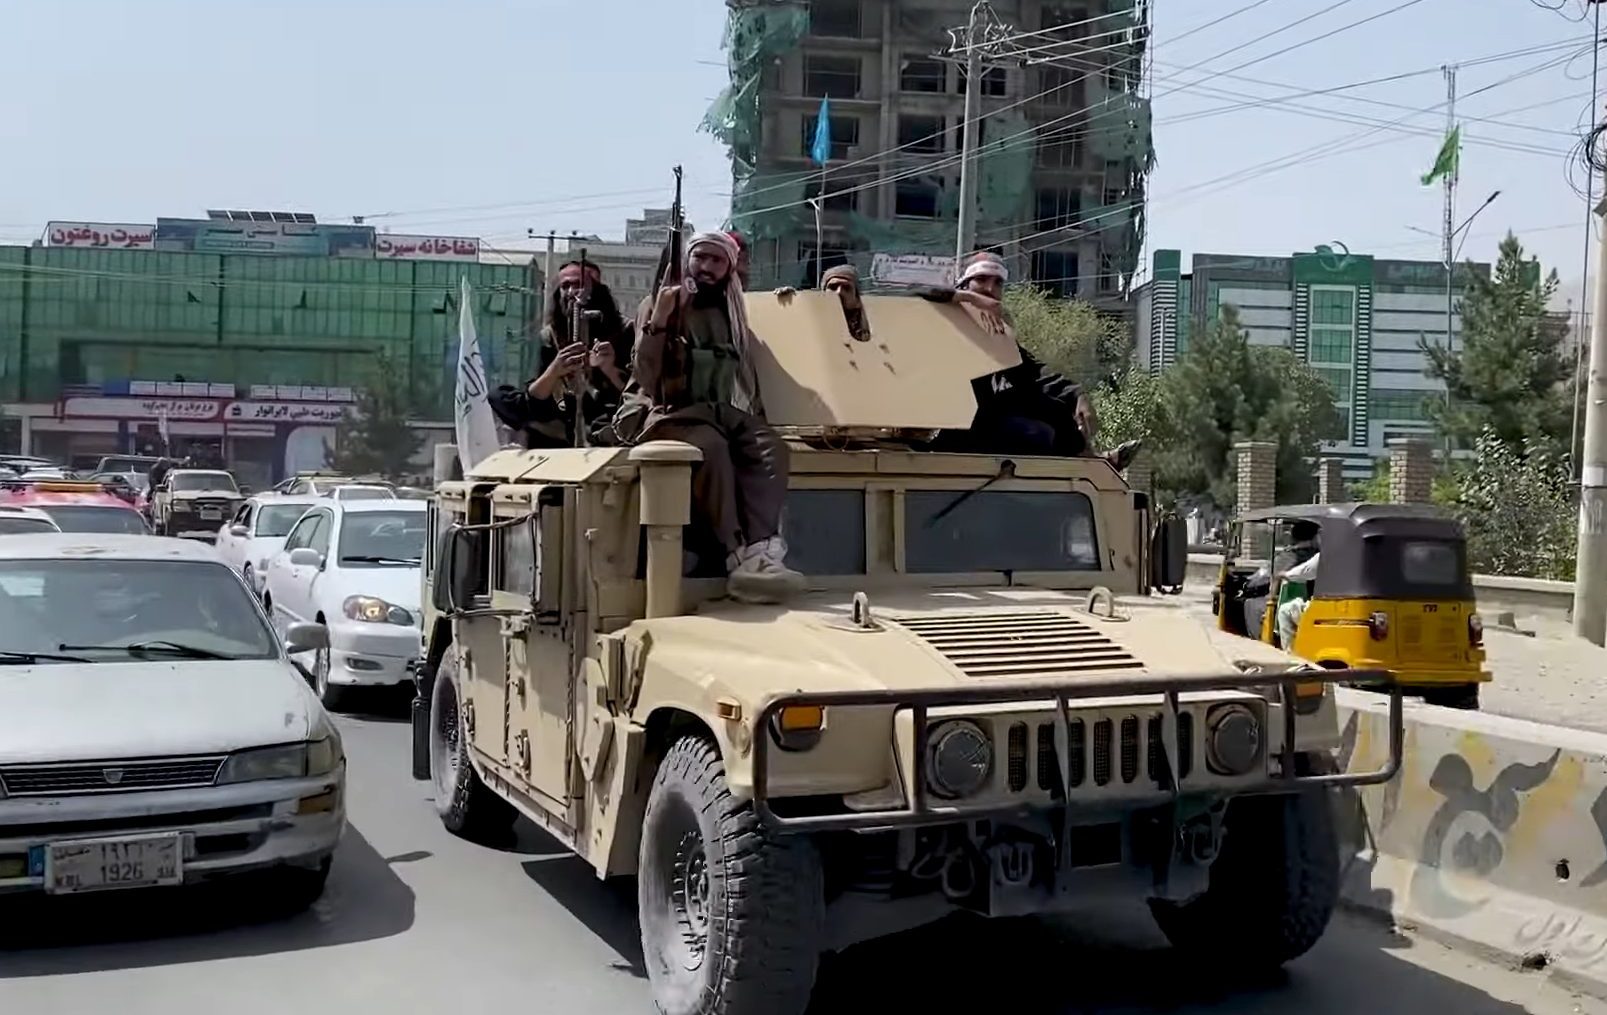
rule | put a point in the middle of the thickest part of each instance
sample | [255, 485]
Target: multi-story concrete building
[1356, 319]
[1065, 139]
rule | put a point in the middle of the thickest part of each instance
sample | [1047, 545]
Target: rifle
[663, 357]
[580, 318]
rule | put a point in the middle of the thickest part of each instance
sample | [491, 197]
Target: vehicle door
[231, 547]
[289, 585]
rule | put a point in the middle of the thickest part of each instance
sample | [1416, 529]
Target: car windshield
[825, 531]
[203, 481]
[380, 538]
[137, 480]
[141, 609]
[94, 518]
[957, 532]
[17, 526]
[276, 519]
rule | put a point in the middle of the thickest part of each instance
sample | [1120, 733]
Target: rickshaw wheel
[1464, 696]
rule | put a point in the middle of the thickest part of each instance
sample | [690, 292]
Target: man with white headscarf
[695, 381]
[1026, 409]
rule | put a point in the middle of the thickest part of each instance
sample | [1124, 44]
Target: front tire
[732, 917]
[467, 806]
[1272, 890]
[333, 696]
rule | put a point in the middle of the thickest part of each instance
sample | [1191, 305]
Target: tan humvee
[977, 705]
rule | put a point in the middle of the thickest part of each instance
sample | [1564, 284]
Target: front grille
[1118, 754]
[1016, 757]
[173, 819]
[1031, 643]
[109, 776]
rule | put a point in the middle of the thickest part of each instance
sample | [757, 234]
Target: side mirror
[239, 530]
[301, 638]
[1169, 555]
[306, 556]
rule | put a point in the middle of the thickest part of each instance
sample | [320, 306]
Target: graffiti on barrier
[1465, 835]
[1562, 937]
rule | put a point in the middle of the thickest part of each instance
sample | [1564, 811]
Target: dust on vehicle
[978, 705]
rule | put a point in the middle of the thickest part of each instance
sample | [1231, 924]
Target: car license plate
[96, 864]
[211, 513]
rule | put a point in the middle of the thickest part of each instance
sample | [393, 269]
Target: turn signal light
[1378, 625]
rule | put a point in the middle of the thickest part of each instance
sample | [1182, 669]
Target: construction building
[245, 336]
[1356, 319]
[1064, 155]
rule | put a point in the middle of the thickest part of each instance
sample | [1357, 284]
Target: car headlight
[288, 761]
[180, 505]
[959, 759]
[372, 610]
[1233, 739]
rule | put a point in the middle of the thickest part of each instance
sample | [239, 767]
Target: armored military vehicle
[978, 705]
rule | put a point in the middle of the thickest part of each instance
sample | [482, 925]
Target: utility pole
[965, 241]
[1590, 576]
[1449, 228]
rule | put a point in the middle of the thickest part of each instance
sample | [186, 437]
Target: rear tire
[1464, 696]
[467, 806]
[1272, 890]
[732, 917]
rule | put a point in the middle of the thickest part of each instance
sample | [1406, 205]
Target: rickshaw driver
[1291, 610]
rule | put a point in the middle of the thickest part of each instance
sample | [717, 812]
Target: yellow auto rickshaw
[1387, 587]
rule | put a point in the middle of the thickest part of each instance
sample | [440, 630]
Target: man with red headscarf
[695, 381]
[744, 258]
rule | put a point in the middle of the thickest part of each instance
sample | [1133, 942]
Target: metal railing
[921, 810]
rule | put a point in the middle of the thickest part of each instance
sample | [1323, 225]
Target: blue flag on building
[820, 150]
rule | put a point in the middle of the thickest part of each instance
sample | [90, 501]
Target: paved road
[418, 921]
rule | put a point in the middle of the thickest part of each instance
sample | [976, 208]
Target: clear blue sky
[569, 116]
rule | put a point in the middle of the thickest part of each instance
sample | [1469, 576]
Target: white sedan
[153, 730]
[248, 541]
[354, 567]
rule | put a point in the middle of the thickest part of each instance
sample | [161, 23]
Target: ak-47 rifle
[580, 318]
[662, 356]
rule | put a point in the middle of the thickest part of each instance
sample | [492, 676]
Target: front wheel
[1272, 890]
[332, 695]
[732, 917]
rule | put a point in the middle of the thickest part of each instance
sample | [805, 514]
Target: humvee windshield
[956, 531]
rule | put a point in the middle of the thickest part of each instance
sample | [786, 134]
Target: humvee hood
[937, 638]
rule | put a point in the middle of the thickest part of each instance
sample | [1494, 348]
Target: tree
[1517, 508]
[1069, 336]
[1511, 375]
[1223, 390]
[376, 439]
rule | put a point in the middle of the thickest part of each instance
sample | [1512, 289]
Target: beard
[709, 294]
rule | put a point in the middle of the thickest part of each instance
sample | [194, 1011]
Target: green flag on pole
[1445, 163]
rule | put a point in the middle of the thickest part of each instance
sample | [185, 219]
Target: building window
[1330, 345]
[919, 75]
[1401, 405]
[839, 196]
[917, 199]
[1338, 381]
[1109, 277]
[1055, 271]
[917, 133]
[994, 84]
[836, 18]
[1062, 21]
[1058, 207]
[834, 76]
[1332, 306]
[1060, 151]
[1060, 86]
[844, 135]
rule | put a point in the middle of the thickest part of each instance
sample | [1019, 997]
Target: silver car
[153, 730]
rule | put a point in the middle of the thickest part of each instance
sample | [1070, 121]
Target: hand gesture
[785, 294]
[602, 355]
[990, 310]
[670, 298]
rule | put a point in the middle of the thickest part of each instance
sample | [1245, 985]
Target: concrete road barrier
[1494, 836]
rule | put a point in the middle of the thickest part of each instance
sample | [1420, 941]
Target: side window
[301, 535]
[243, 516]
[299, 486]
[319, 540]
[518, 559]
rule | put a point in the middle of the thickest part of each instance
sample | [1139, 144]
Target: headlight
[290, 761]
[375, 611]
[959, 759]
[1233, 739]
[180, 505]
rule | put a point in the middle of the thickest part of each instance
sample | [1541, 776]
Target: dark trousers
[740, 487]
[1015, 435]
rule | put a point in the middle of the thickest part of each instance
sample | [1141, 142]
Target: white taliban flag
[476, 426]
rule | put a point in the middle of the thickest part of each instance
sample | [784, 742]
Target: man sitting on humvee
[1025, 409]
